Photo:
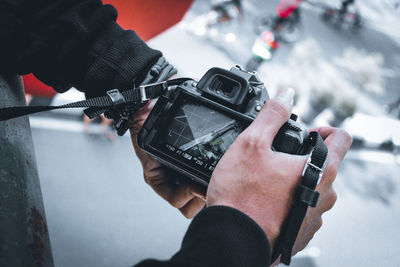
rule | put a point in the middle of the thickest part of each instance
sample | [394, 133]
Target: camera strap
[305, 196]
[116, 104]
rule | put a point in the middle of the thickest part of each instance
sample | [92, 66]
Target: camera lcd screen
[198, 135]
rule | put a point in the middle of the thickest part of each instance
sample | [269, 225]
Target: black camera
[193, 124]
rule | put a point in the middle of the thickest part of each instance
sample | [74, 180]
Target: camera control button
[294, 127]
[294, 117]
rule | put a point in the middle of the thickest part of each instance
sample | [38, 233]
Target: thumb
[140, 116]
[272, 116]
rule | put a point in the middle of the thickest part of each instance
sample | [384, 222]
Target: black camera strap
[305, 196]
[115, 102]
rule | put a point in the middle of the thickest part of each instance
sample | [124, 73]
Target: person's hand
[170, 185]
[261, 183]
[338, 143]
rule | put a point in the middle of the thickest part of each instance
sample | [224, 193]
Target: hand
[254, 179]
[338, 143]
[170, 185]
[261, 183]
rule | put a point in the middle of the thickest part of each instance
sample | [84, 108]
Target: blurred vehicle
[285, 24]
[343, 16]
[263, 48]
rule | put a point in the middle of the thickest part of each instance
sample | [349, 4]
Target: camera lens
[224, 86]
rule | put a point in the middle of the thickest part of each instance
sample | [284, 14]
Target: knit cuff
[223, 236]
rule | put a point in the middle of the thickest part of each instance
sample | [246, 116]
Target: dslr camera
[193, 124]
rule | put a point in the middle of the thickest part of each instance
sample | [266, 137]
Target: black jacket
[69, 43]
[77, 43]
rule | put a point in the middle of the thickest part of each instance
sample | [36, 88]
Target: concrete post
[24, 239]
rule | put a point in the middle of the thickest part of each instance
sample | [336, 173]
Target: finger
[139, 117]
[311, 224]
[198, 191]
[174, 187]
[324, 131]
[276, 262]
[169, 185]
[148, 107]
[334, 135]
[176, 195]
[338, 143]
[194, 188]
[193, 207]
[272, 116]
[326, 200]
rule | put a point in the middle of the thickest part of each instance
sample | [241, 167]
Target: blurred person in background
[105, 126]
[71, 43]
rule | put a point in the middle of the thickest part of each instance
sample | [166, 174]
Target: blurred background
[343, 60]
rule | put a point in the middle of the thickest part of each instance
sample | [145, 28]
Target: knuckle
[347, 139]
[192, 209]
[277, 108]
[146, 178]
[249, 139]
[319, 223]
[188, 214]
[331, 199]
[330, 173]
[346, 135]
[174, 201]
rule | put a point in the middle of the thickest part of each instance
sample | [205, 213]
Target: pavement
[101, 213]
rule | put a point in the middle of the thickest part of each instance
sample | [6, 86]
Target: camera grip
[292, 138]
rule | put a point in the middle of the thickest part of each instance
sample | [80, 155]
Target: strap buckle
[307, 195]
[320, 170]
[143, 94]
[116, 96]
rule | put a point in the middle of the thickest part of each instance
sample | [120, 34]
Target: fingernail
[286, 96]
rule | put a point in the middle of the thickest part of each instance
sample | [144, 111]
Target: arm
[69, 43]
[220, 236]
[77, 43]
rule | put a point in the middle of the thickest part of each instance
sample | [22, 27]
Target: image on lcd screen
[204, 134]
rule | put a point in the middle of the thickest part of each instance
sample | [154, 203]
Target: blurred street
[100, 212]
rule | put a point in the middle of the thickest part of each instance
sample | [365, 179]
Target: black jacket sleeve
[69, 43]
[217, 237]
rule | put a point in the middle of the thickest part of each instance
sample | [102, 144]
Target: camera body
[193, 124]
